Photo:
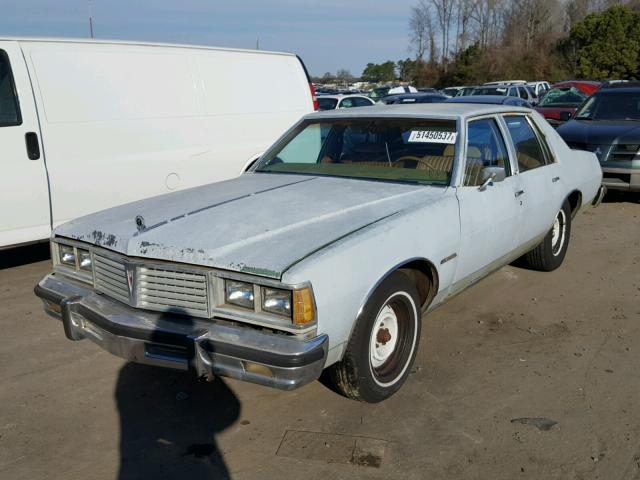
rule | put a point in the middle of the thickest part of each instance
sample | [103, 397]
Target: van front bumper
[207, 347]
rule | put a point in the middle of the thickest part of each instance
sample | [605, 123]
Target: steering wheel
[415, 159]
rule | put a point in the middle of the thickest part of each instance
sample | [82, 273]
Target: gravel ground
[497, 366]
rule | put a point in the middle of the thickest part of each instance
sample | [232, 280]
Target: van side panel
[24, 194]
[124, 122]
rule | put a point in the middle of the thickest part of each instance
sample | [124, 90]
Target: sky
[327, 34]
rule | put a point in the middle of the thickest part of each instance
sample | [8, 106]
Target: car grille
[613, 153]
[168, 289]
[623, 153]
[110, 278]
[153, 288]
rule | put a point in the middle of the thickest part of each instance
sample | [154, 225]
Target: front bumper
[626, 179]
[206, 347]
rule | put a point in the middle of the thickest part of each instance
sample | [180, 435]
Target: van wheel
[550, 253]
[383, 343]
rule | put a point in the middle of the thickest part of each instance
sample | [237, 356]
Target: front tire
[550, 253]
[383, 343]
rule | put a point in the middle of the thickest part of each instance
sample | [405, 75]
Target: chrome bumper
[626, 179]
[597, 200]
[206, 347]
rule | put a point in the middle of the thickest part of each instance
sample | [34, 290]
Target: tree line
[458, 42]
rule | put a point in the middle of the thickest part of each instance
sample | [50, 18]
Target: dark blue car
[608, 124]
[491, 99]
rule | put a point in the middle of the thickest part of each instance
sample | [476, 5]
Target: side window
[513, 92]
[346, 103]
[486, 153]
[528, 147]
[523, 93]
[361, 102]
[9, 108]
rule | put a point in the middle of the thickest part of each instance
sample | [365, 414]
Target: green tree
[383, 72]
[606, 45]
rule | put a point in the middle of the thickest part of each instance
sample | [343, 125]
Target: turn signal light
[303, 307]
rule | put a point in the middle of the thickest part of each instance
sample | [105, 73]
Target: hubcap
[384, 336]
[558, 233]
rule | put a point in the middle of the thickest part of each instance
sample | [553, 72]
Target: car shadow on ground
[169, 421]
[617, 196]
[168, 424]
[14, 257]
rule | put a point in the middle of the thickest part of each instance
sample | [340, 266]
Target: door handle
[33, 147]
[555, 179]
[519, 192]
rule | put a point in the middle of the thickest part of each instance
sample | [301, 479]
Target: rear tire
[550, 253]
[383, 343]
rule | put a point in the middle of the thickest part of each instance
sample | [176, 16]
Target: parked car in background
[380, 92]
[466, 90]
[326, 254]
[427, 90]
[507, 82]
[409, 98]
[330, 102]
[586, 86]
[450, 91]
[608, 124]
[560, 103]
[539, 88]
[491, 100]
[519, 90]
[86, 125]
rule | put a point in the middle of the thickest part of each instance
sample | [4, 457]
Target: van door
[24, 193]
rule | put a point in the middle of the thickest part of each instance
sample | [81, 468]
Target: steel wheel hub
[558, 232]
[384, 336]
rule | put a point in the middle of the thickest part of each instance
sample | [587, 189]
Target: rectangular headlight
[275, 300]
[239, 293]
[84, 260]
[67, 256]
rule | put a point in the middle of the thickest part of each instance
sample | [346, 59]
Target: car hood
[257, 223]
[592, 132]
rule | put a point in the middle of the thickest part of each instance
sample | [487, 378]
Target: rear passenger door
[490, 213]
[539, 196]
[24, 194]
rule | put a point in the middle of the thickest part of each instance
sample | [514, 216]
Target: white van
[86, 125]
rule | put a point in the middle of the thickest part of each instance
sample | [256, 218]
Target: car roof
[488, 99]
[342, 95]
[449, 111]
[618, 90]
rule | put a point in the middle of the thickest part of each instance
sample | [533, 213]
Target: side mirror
[487, 181]
[565, 116]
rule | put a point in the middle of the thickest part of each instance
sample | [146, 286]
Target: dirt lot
[562, 346]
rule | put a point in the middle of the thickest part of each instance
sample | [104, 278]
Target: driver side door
[490, 211]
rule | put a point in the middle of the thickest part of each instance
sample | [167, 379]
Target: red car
[561, 102]
[586, 86]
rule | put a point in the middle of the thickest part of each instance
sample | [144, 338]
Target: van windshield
[405, 150]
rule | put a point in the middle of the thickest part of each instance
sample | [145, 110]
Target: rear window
[327, 103]
[405, 150]
[9, 109]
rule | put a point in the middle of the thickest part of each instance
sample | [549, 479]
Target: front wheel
[550, 253]
[383, 343]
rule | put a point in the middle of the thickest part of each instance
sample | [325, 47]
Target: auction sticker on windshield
[432, 136]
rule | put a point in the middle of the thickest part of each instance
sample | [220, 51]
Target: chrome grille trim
[110, 278]
[160, 288]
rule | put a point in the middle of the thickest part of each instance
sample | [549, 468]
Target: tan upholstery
[473, 168]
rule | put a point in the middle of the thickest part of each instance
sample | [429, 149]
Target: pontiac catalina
[328, 251]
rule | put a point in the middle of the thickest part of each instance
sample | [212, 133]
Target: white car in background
[539, 88]
[327, 252]
[332, 102]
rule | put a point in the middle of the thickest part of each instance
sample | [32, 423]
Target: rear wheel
[550, 253]
[383, 343]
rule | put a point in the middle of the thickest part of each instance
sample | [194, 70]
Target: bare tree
[422, 31]
[463, 20]
[444, 14]
[487, 16]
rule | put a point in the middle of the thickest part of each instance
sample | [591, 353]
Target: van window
[9, 109]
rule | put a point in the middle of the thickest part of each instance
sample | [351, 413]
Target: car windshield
[489, 91]
[562, 97]
[379, 92]
[327, 103]
[401, 150]
[611, 106]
